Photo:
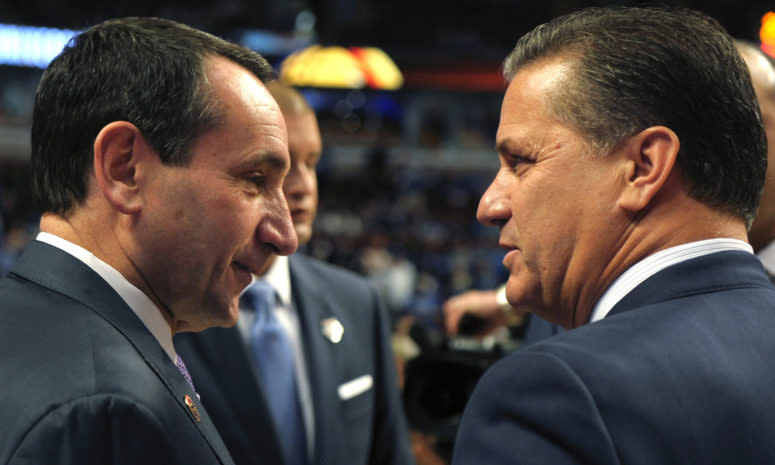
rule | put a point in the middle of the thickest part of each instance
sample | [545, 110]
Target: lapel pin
[192, 408]
[332, 329]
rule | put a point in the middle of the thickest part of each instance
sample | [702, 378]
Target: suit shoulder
[343, 293]
[84, 353]
[109, 423]
[329, 272]
[690, 355]
[515, 406]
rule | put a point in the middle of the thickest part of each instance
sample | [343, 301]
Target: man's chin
[303, 232]
[223, 319]
[228, 317]
[233, 314]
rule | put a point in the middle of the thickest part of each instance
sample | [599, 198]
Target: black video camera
[439, 381]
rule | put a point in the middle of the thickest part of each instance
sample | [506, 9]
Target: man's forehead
[509, 143]
[546, 72]
[303, 129]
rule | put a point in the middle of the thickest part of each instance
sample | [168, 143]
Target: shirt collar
[279, 276]
[141, 304]
[652, 264]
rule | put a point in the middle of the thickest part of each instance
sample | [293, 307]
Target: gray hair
[632, 68]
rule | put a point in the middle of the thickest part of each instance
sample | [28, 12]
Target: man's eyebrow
[272, 159]
[506, 145]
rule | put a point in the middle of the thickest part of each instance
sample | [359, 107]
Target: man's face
[207, 226]
[552, 199]
[301, 184]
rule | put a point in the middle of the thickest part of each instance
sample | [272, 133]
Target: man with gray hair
[158, 160]
[632, 159]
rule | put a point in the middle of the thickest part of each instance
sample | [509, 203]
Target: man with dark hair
[158, 158]
[632, 160]
[343, 404]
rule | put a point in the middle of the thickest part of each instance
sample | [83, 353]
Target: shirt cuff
[503, 303]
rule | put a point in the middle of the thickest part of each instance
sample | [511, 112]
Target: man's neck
[663, 227]
[99, 238]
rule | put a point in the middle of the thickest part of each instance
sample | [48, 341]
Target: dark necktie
[275, 366]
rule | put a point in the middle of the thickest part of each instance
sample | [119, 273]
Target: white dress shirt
[279, 276]
[652, 264]
[141, 304]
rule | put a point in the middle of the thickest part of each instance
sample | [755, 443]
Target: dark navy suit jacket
[537, 329]
[679, 372]
[83, 381]
[368, 428]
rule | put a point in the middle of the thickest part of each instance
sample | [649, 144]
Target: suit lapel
[63, 273]
[229, 366]
[313, 307]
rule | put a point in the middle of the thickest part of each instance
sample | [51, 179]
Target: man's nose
[276, 227]
[494, 206]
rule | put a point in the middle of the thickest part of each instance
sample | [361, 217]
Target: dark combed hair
[150, 72]
[637, 67]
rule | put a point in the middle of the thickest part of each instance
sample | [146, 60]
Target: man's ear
[117, 150]
[650, 156]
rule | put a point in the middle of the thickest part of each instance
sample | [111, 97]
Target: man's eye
[312, 162]
[517, 161]
[258, 180]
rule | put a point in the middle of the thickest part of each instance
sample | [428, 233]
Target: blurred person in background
[144, 232]
[490, 306]
[345, 397]
[633, 157]
[762, 232]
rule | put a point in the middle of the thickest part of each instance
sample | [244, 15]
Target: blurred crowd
[19, 219]
[417, 239]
